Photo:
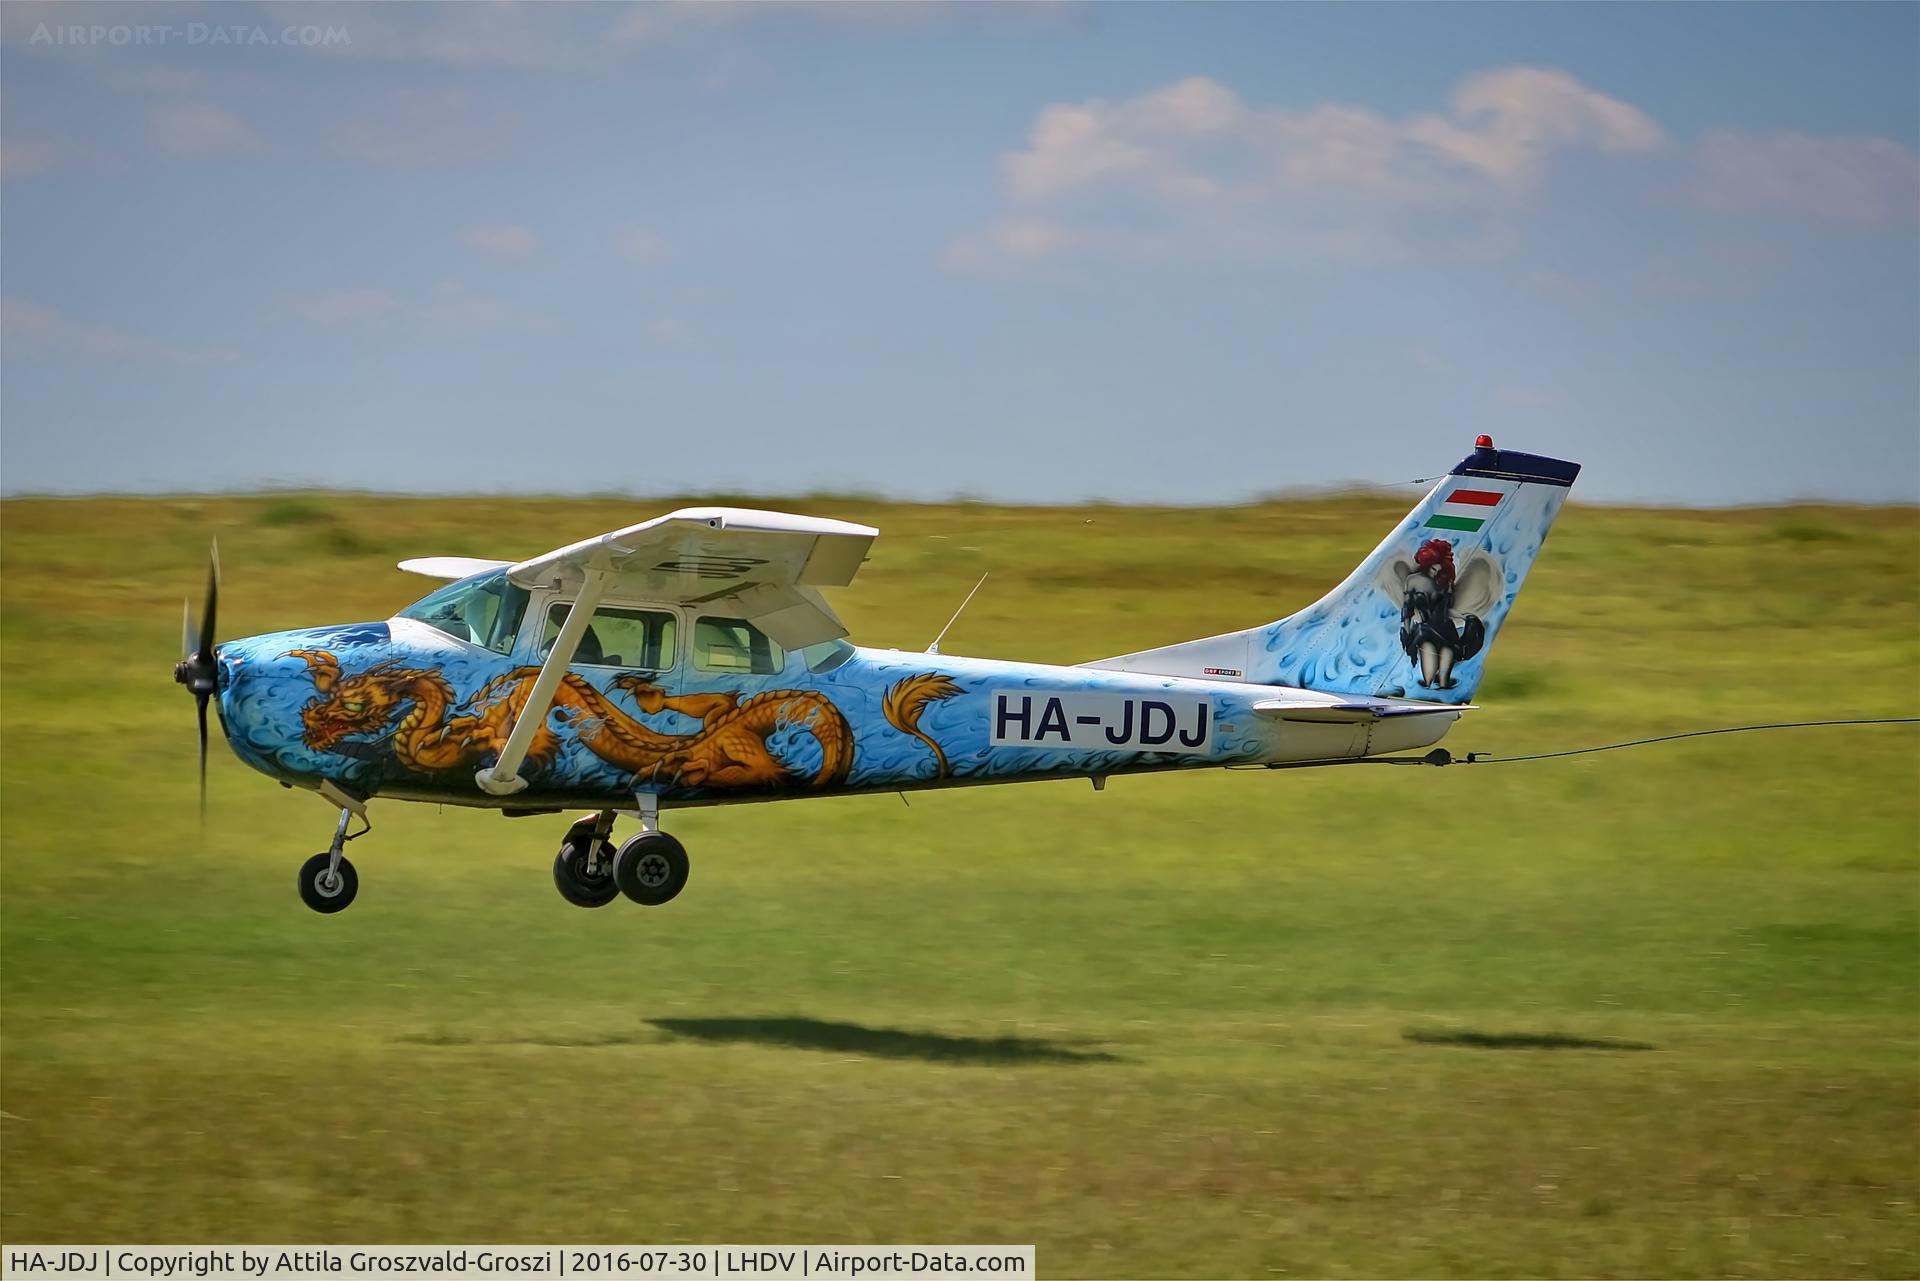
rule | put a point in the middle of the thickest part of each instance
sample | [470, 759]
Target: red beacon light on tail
[1483, 441]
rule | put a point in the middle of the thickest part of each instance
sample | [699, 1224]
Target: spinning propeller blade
[213, 600]
[199, 668]
[201, 707]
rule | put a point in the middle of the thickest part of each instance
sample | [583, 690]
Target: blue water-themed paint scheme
[1348, 642]
[691, 660]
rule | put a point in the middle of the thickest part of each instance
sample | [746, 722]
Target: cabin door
[625, 649]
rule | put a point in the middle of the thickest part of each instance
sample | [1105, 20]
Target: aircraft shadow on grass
[807, 1034]
[1519, 1040]
[880, 1042]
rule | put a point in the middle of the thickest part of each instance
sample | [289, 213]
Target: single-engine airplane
[692, 660]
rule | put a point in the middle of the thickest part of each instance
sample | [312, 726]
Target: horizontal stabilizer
[1349, 712]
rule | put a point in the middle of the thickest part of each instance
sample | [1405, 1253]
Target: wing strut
[503, 779]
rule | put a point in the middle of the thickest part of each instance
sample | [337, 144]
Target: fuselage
[407, 710]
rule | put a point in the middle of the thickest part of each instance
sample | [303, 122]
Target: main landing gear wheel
[324, 890]
[651, 868]
[583, 870]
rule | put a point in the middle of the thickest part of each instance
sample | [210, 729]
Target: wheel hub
[653, 871]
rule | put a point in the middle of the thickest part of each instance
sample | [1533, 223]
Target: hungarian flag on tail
[1465, 507]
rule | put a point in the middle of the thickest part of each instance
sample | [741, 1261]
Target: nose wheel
[326, 885]
[328, 882]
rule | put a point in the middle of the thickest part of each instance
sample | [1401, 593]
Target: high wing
[1323, 709]
[765, 567]
[762, 566]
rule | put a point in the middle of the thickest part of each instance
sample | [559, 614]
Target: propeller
[198, 668]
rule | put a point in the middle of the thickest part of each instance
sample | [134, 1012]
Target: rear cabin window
[735, 645]
[618, 637]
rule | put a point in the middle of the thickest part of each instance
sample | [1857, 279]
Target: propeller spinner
[198, 668]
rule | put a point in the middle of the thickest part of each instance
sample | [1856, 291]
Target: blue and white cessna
[692, 660]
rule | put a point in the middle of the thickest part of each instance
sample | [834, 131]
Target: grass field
[1647, 1013]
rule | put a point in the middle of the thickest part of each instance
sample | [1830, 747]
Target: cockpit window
[483, 610]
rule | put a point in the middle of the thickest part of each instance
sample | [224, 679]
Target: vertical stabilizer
[1418, 616]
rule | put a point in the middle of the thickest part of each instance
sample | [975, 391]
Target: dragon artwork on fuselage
[744, 741]
[397, 708]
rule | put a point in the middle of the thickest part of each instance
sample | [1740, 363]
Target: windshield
[482, 610]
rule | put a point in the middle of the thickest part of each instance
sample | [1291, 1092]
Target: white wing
[762, 566]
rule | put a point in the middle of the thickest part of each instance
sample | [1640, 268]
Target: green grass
[1649, 1013]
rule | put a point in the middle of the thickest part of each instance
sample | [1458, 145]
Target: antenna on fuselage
[935, 647]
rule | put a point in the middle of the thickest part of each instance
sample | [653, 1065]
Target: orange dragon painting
[415, 713]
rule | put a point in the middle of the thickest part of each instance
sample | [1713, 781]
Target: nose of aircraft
[247, 673]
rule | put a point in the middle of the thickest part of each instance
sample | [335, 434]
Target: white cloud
[198, 128]
[44, 331]
[508, 240]
[452, 312]
[423, 127]
[22, 156]
[572, 37]
[347, 307]
[670, 329]
[637, 244]
[447, 311]
[1866, 181]
[156, 80]
[1521, 398]
[1191, 166]
[527, 37]
[1197, 140]
[1033, 239]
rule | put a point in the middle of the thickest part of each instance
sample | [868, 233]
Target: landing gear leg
[583, 870]
[651, 867]
[327, 880]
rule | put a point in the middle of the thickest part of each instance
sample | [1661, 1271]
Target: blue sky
[1182, 253]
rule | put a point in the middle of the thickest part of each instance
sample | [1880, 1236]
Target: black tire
[318, 894]
[651, 868]
[570, 872]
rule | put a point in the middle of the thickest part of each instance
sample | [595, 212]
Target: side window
[735, 645]
[617, 637]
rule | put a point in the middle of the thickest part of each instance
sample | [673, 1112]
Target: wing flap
[795, 617]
